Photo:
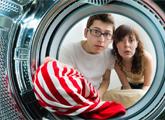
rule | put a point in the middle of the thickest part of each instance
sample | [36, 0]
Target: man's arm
[105, 83]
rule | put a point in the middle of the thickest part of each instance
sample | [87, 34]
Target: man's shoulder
[71, 45]
[70, 48]
[108, 51]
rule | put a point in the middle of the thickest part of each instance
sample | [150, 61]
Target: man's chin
[98, 52]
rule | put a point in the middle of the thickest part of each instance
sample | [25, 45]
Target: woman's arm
[105, 83]
[148, 70]
[122, 77]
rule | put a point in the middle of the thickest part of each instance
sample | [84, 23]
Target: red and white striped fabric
[64, 91]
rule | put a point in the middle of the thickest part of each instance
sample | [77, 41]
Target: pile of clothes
[63, 90]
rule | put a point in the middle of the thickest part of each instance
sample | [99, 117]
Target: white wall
[77, 34]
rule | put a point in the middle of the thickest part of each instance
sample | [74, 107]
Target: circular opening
[50, 33]
[135, 12]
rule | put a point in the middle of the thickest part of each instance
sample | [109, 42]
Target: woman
[134, 65]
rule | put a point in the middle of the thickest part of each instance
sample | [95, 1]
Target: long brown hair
[119, 34]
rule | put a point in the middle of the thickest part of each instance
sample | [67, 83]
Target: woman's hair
[106, 18]
[119, 34]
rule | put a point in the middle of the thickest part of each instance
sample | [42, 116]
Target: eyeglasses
[98, 33]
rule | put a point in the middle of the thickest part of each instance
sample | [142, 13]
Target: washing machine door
[30, 30]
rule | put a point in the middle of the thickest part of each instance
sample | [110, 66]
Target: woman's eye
[131, 40]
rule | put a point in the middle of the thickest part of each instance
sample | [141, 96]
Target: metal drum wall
[33, 29]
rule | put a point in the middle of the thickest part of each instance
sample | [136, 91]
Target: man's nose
[101, 38]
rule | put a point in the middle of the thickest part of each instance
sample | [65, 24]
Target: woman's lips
[127, 52]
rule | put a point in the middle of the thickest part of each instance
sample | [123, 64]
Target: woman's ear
[137, 44]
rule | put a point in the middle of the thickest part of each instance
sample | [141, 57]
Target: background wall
[76, 33]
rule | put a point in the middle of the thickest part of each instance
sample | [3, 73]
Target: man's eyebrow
[108, 31]
[97, 28]
[101, 29]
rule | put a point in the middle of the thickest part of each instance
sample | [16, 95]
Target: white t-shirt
[92, 66]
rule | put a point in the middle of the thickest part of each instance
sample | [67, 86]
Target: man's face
[99, 36]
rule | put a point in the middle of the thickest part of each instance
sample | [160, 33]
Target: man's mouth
[99, 46]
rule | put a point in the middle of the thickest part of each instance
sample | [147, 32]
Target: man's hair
[106, 18]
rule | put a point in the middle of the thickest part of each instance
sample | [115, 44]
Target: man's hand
[47, 59]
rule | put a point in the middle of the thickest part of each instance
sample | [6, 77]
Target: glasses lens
[96, 33]
[107, 35]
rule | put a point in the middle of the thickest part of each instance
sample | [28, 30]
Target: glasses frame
[92, 30]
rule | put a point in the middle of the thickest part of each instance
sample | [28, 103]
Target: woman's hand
[146, 87]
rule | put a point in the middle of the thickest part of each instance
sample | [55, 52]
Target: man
[92, 57]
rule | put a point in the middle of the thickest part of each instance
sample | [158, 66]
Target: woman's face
[127, 46]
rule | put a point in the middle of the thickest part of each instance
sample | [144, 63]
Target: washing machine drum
[30, 30]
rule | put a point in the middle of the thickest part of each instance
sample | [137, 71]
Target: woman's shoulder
[147, 56]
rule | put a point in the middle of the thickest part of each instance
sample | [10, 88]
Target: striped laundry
[63, 90]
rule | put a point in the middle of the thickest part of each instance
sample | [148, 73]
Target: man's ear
[85, 32]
